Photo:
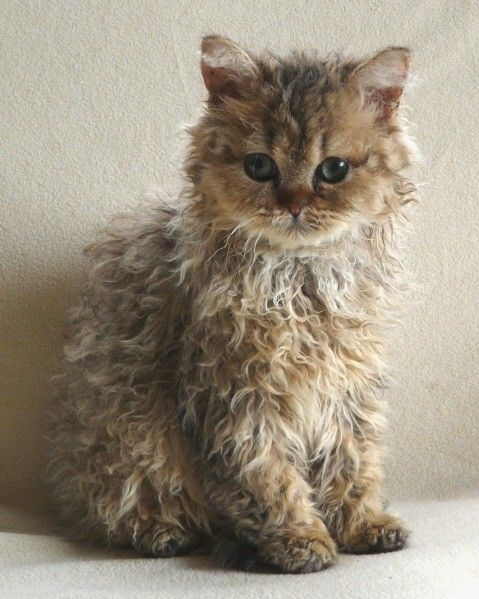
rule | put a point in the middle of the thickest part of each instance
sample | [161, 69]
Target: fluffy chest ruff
[292, 345]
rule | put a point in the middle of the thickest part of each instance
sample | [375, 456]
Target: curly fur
[221, 371]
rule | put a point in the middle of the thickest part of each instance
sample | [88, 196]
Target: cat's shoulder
[137, 233]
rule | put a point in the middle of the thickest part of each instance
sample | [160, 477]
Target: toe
[378, 537]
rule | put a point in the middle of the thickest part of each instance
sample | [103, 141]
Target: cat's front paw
[377, 535]
[299, 551]
[163, 541]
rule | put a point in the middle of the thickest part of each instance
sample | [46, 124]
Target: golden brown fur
[221, 372]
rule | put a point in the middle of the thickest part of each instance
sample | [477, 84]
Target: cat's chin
[302, 240]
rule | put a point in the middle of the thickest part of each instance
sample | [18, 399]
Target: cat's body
[221, 382]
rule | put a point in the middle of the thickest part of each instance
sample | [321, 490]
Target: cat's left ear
[226, 68]
[382, 80]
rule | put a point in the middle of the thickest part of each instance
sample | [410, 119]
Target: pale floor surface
[442, 561]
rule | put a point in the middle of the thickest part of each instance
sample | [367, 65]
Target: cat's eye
[260, 167]
[332, 170]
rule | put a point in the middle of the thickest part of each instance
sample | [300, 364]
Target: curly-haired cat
[221, 372]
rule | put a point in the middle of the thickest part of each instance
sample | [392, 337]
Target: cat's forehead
[293, 96]
[302, 111]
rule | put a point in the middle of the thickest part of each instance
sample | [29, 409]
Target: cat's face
[299, 151]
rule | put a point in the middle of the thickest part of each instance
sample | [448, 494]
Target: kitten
[221, 373]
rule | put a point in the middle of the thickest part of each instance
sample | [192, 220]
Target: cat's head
[299, 150]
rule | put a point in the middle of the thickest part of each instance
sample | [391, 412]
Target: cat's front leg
[358, 521]
[264, 499]
[270, 509]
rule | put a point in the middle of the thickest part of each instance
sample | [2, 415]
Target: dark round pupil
[259, 167]
[333, 169]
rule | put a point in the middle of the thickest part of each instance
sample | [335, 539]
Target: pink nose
[294, 199]
[295, 210]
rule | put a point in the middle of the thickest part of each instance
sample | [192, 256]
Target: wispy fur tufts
[222, 371]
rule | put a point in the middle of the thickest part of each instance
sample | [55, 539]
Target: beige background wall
[93, 98]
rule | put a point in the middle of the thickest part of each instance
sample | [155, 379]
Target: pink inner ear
[219, 81]
[386, 99]
[222, 82]
[210, 76]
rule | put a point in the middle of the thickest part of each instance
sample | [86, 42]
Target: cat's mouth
[304, 229]
[307, 228]
[296, 224]
[299, 224]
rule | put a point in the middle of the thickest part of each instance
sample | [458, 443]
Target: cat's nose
[294, 199]
[295, 210]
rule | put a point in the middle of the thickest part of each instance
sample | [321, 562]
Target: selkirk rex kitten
[221, 373]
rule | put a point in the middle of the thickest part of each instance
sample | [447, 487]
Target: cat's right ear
[227, 69]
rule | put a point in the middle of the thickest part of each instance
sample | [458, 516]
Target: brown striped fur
[222, 369]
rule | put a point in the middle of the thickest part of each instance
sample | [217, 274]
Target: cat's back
[126, 322]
